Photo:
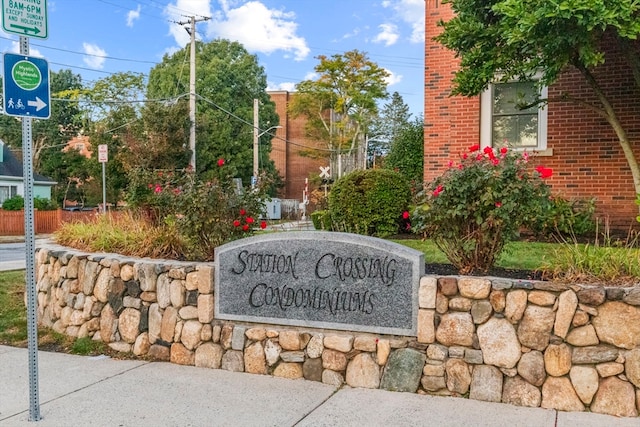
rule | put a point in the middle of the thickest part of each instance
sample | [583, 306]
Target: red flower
[236, 223]
[158, 189]
[245, 227]
[465, 155]
[495, 161]
[450, 163]
[176, 191]
[438, 190]
[249, 220]
[474, 147]
[503, 150]
[220, 162]
[263, 224]
[498, 204]
[150, 186]
[243, 212]
[405, 215]
[544, 172]
[489, 152]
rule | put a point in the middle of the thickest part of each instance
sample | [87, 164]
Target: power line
[84, 53]
[252, 126]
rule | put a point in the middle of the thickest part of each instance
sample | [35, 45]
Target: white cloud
[132, 16]
[288, 86]
[96, 62]
[388, 34]
[15, 48]
[353, 33]
[259, 29]
[410, 12]
[392, 78]
[176, 12]
[312, 75]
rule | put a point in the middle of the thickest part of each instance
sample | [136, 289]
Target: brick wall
[290, 141]
[587, 159]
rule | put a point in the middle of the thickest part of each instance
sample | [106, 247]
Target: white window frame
[12, 192]
[486, 120]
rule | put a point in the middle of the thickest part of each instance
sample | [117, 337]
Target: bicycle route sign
[25, 18]
[26, 86]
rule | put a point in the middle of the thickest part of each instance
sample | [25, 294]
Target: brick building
[288, 148]
[579, 145]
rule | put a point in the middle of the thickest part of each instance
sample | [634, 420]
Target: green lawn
[13, 322]
[516, 255]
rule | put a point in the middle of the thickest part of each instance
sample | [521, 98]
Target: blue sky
[95, 38]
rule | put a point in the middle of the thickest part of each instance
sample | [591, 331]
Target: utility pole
[192, 87]
[256, 142]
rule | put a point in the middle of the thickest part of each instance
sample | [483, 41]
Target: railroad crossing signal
[324, 172]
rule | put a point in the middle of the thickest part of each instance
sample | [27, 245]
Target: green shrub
[565, 217]
[199, 214]
[321, 220]
[43, 204]
[14, 203]
[369, 202]
[477, 206]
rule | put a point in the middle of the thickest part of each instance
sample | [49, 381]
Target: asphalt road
[12, 252]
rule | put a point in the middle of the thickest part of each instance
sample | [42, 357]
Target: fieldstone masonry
[527, 343]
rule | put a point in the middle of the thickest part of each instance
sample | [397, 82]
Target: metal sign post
[26, 94]
[103, 157]
[30, 247]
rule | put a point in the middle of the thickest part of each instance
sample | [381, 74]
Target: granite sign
[319, 279]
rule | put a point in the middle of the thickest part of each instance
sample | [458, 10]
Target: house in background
[289, 148]
[579, 145]
[81, 144]
[11, 181]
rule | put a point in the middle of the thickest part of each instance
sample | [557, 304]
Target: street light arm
[271, 128]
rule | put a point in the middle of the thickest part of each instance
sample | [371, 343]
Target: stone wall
[571, 348]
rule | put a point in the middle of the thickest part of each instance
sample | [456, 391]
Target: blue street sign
[25, 86]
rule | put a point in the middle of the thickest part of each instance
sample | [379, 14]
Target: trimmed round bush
[14, 203]
[369, 202]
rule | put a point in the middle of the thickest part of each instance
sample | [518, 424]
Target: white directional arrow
[38, 103]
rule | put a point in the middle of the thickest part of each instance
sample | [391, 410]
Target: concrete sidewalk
[12, 265]
[97, 391]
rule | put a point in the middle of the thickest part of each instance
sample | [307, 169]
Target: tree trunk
[611, 116]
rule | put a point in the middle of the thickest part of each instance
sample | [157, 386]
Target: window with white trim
[6, 192]
[507, 121]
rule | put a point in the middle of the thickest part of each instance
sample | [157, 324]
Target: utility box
[273, 209]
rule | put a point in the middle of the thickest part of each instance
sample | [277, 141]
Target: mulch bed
[450, 270]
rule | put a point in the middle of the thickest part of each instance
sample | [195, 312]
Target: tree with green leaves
[406, 154]
[341, 102]
[50, 136]
[515, 39]
[114, 120]
[393, 117]
[228, 79]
